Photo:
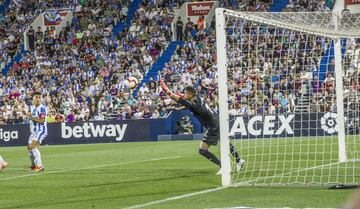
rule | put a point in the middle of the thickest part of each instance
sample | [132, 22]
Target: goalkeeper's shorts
[211, 137]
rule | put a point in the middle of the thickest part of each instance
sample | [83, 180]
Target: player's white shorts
[37, 137]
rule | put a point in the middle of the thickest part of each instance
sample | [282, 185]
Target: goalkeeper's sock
[234, 153]
[210, 156]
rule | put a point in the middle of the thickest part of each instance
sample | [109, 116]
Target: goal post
[223, 106]
[289, 97]
[340, 100]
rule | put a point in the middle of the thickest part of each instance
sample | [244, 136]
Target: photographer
[184, 126]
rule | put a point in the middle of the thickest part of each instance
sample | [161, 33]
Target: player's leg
[239, 162]
[37, 155]
[204, 151]
[3, 164]
[35, 143]
[30, 153]
[234, 153]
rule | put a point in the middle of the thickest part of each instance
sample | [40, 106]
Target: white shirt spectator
[138, 115]
[125, 10]
[233, 111]
[101, 106]
[143, 89]
[155, 114]
[167, 101]
[206, 81]
[134, 28]
[267, 66]
[147, 59]
[78, 8]
[187, 81]
[329, 79]
[237, 73]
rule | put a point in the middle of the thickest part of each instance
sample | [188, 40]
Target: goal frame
[221, 40]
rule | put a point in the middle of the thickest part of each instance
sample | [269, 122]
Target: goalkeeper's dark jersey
[202, 112]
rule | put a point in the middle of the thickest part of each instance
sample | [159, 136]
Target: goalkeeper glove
[180, 95]
[165, 88]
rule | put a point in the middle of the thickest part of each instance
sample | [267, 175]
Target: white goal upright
[289, 97]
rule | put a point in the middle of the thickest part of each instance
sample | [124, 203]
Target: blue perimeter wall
[242, 127]
[98, 131]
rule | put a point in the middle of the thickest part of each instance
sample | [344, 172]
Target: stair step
[132, 10]
[4, 6]
[160, 62]
[279, 5]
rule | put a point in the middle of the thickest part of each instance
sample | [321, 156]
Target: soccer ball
[131, 82]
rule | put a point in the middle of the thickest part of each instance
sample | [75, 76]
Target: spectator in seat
[71, 118]
[315, 85]
[313, 106]
[39, 35]
[179, 29]
[144, 89]
[152, 84]
[201, 23]
[188, 28]
[31, 38]
[50, 118]
[155, 114]
[284, 103]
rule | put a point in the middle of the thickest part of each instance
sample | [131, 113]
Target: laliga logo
[8, 135]
[328, 123]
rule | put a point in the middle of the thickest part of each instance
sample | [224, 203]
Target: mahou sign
[352, 2]
[199, 8]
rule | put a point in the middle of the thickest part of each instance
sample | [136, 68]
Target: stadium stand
[279, 77]
[81, 71]
[19, 14]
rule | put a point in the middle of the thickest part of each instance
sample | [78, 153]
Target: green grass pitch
[126, 174]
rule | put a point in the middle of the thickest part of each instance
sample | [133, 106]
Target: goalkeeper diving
[208, 118]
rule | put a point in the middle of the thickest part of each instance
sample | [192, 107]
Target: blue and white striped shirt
[38, 112]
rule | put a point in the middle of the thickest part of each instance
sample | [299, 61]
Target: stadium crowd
[281, 71]
[19, 15]
[309, 5]
[81, 71]
[281, 74]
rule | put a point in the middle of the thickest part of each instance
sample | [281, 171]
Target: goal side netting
[289, 97]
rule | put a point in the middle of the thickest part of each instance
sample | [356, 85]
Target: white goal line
[87, 168]
[293, 171]
[222, 188]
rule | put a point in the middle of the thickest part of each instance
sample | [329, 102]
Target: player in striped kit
[38, 129]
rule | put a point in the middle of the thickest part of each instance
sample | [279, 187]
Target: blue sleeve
[43, 109]
[43, 112]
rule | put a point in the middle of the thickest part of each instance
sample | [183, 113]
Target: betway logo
[88, 130]
[200, 7]
[8, 135]
[267, 125]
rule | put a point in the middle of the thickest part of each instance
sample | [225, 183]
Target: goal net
[289, 97]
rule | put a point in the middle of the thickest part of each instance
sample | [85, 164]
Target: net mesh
[282, 97]
[328, 24]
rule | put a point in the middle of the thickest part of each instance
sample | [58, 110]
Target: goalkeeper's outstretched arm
[174, 96]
